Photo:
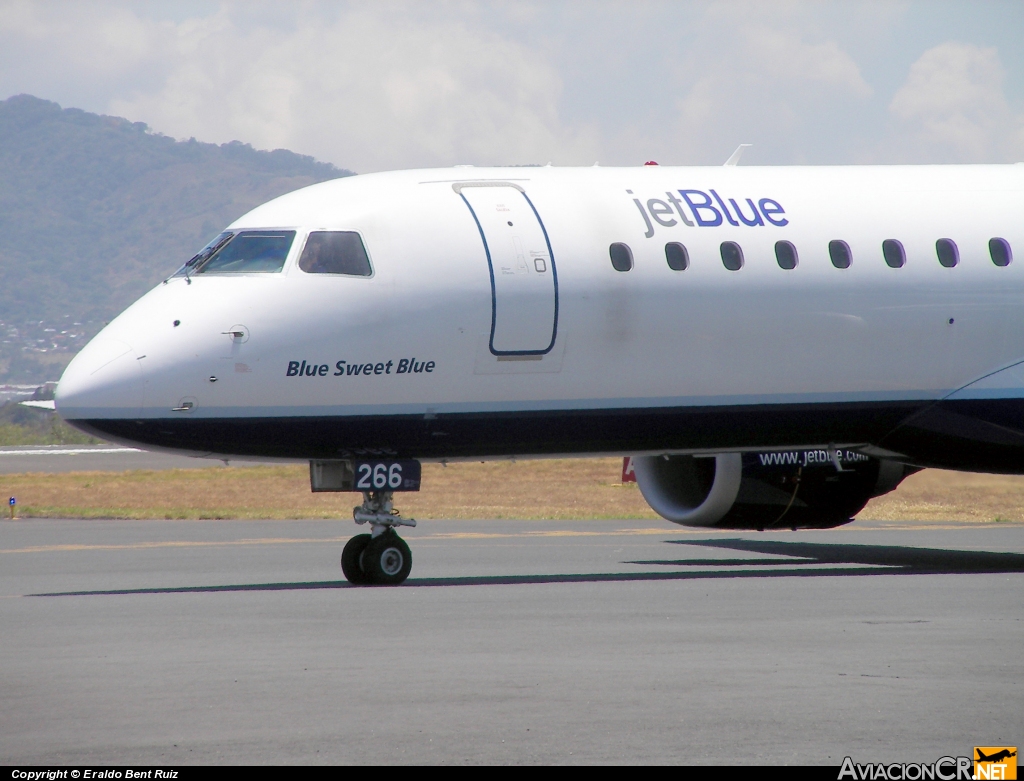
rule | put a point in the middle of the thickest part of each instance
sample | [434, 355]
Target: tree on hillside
[95, 210]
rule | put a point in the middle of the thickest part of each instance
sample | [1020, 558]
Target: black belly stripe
[985, 435]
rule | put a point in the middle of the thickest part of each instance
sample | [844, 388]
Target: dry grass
[938, 495]
[557, 489]
[525, 489]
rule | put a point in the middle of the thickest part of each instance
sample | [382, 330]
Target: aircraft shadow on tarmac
[803, 559]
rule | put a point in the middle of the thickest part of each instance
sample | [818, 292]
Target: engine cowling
[813, 488]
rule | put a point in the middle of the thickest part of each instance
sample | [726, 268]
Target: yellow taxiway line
[533, 534]
[300, 540]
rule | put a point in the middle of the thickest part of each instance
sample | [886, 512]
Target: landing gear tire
[351, 560]
[386, 560]
[381, 558]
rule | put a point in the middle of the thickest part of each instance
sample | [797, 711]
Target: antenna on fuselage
[734, 158]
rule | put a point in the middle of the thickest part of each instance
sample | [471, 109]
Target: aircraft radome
[772, 346]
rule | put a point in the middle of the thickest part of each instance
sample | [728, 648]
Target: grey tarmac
[163, 642]
[97, 458]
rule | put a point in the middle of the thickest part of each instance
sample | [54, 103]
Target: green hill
[95, 210]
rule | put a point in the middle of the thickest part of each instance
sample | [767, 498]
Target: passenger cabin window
[785, 254]
[249, 252]
[839, 252]
[948, 254]
[892, 251]
[732, 255]
[999, 251]
[335, 252]
[622, 256]
[677, 256]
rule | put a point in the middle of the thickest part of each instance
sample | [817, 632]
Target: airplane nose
[105, 380]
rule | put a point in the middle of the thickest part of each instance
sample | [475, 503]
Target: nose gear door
[524, 283]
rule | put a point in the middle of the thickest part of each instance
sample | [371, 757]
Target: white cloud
[369, 89]
[764, 76]
[84, 47]
[953, 105]
[74, 40]
[398, 84]
[368, 86]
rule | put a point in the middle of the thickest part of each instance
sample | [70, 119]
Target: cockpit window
[200, 257]
[335, 252]
[246, 252]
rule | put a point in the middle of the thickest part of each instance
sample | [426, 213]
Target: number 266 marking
[378, 476]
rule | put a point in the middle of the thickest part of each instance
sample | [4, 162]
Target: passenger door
[524, 284]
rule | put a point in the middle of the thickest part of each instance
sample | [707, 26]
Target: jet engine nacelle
[817, 488]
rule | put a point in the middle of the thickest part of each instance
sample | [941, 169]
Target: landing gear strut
[380, 558]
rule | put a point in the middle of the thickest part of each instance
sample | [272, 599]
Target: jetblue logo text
[810, 457]
[349, 369]
[708, 210]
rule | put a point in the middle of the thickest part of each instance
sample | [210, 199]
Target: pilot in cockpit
[335, 252]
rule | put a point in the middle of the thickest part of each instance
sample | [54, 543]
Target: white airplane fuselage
[494, 323]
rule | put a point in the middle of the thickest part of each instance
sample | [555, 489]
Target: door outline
[457, 187]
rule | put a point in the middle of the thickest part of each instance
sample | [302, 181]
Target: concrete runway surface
[163, 642]
[96, 458]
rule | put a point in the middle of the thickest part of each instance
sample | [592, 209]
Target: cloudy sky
[378, 85]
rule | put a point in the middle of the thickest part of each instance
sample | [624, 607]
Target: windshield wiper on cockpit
[188, 264]
[197, 260]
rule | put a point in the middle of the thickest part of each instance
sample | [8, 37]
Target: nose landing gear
[380, 558]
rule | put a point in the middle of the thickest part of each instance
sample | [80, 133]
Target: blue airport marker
[12, 501]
